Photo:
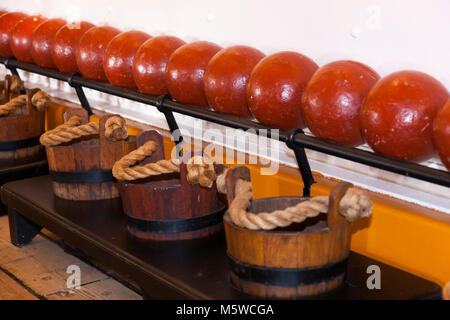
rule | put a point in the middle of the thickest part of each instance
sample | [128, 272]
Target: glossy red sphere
[397, 116]
[150, 62]
[441, 134]
[119, 56]
[226, 77]
[7, 23]
[42, 42]
[333, 99]
[21, 36]
[91, 50]
[65, 45]
[275, 89]
[185, 70]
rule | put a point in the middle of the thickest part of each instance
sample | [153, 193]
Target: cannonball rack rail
[294, 139]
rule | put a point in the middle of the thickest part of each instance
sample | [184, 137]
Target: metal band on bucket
[18, 144]
[286, 277]
[178, 225]
[94, 176]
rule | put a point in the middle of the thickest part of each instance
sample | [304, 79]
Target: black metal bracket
[80, 93]
[172, 123]
[302, 161]
[11, 68]
[22, 230]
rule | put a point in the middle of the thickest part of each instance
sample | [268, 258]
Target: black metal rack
[295, 139]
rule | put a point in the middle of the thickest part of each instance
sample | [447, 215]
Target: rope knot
[201, 170]
[116, 128]
[40, 100]
[355, 204]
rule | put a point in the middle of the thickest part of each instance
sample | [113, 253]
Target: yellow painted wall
[400, 234]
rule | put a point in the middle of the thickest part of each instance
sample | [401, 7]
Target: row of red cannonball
[403, 115]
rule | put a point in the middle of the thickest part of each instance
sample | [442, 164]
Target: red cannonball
[226, 77]
[275, 89]
[333, 99]
[441, 134]
[91, 50]
[119, 56]
[42, 42]
[185, 70]
[7, 23]
[21, 35]
[150, 62]
[65, 45]
[397, 116]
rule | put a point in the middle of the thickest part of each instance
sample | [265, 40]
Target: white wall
[388, 35]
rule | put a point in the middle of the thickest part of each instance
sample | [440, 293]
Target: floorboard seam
[12, 276]
[81, 286]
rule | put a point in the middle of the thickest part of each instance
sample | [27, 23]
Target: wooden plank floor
[39, 271]
[10, 289]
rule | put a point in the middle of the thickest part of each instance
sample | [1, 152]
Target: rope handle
[40, 100]
[123, 170]
[353, 204]
[74, 128]
[199, 169]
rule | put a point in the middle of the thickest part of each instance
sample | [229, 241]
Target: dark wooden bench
[194, 269]
[17, 172]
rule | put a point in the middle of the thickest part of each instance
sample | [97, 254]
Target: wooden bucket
[81, 169]
[20, 132]
[167, 207]
[304, 259]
